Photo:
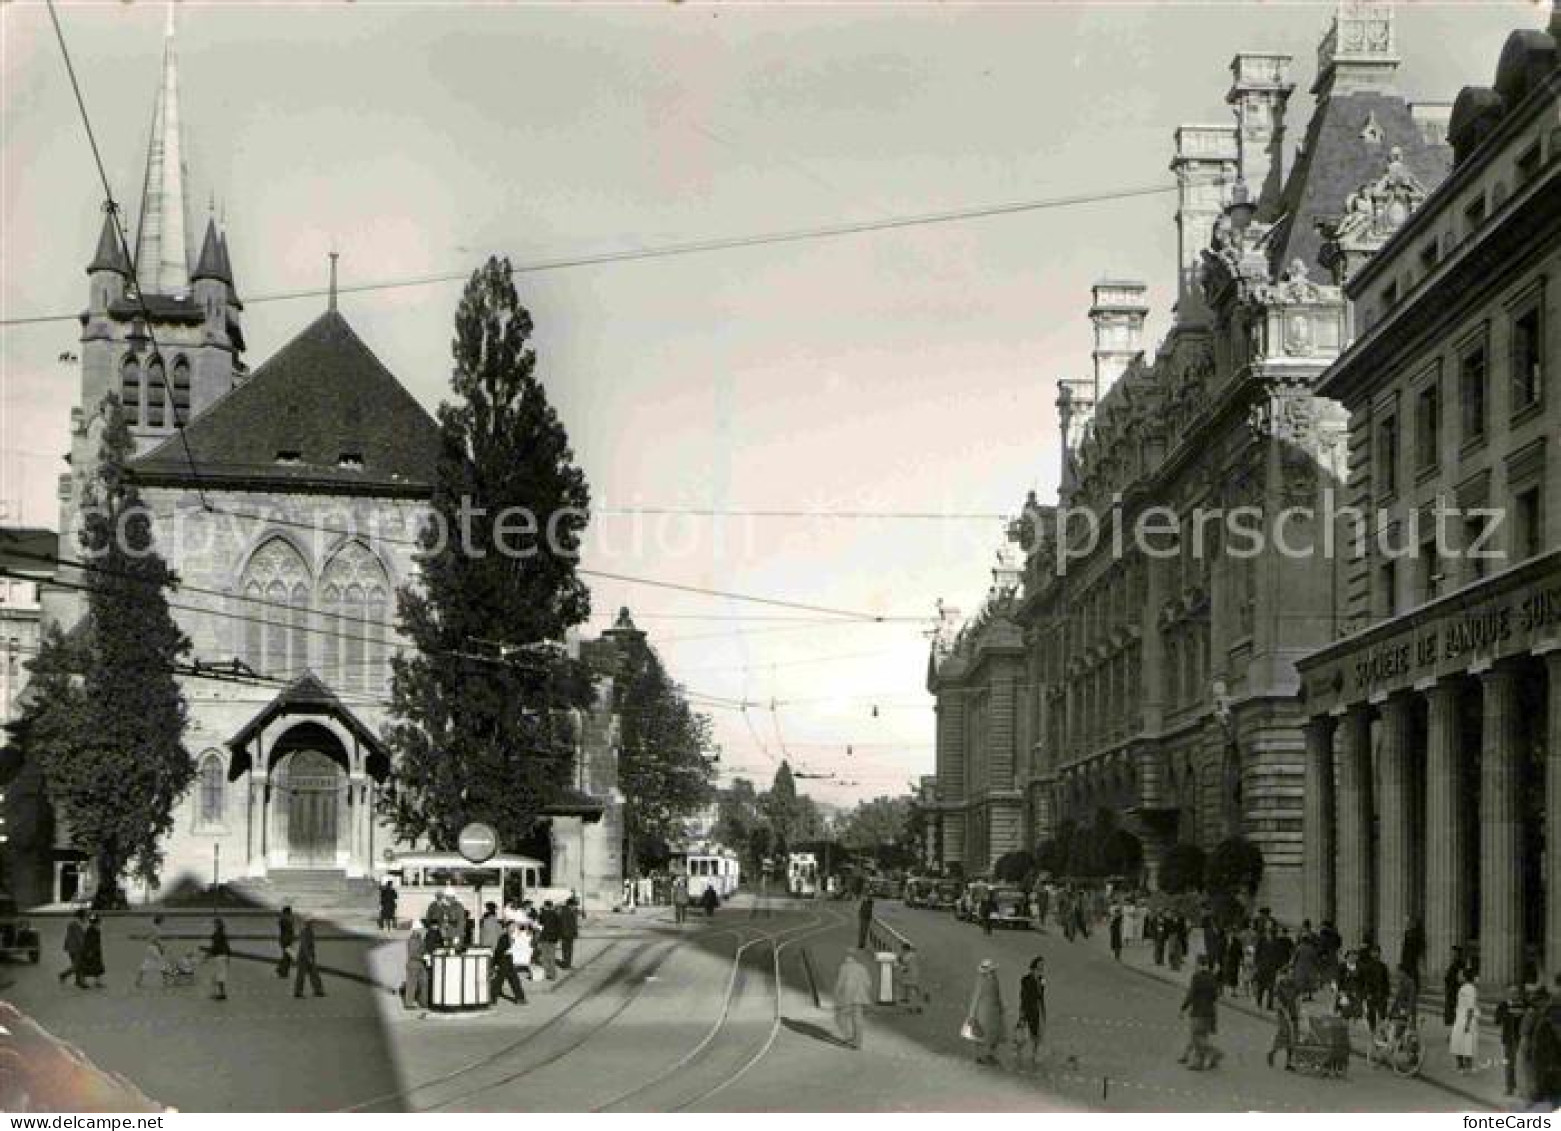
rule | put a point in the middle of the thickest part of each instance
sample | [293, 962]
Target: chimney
[1260, 88]
[1360, 50]
[1205, 162]
[1118, 314]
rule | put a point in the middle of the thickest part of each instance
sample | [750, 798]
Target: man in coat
[1452, 981]
[1199, 1009]
[387, 906]
[285, 934]
[75, 936]
[853, 994]
[503, 974]
[308, 962]
[548, 938]
[680, 899]
[1374, 984]
[864, 921]
[568, 931]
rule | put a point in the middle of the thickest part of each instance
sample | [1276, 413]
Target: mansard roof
[322, 413]
[1347, 144]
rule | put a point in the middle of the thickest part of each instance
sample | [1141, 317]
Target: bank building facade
[1433, 724]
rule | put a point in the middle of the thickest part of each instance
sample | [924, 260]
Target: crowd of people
[521, 938]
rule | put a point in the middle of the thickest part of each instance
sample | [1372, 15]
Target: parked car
[1013, 909]
[18, 939]
[945, 895]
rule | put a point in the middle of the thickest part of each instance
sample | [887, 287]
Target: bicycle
[1396, 1044]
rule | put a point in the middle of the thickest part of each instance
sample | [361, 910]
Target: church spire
[162, 256]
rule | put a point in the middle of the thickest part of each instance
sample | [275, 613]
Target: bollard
[885, 977]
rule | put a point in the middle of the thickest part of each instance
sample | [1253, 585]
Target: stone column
[1395, 845]
[1317, 821]
[1553, 813]
[1501, 889]
[1354, 870]
[1447, 896]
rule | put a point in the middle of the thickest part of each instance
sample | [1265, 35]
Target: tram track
[702, 1072]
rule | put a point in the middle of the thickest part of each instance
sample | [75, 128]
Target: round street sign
[478, 842]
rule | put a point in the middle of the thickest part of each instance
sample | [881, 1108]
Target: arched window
[355, 596]
[275, 590]
[156, 394]
[130, 390]
[181, 391]
[211, 796]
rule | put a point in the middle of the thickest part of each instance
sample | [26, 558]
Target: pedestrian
[155, 958]
[1080, 923]
[488, 927]
[1231, 960]
[502, 974]
[75, 936]
[1347, 1002]
[853, 994]
[709, 901]
[458, 926]
[1032, 1009]
[1304, 962]
[1176, 945]
[523, 949]
[1540, 1044]
[387, 905]
[308, 961]
[414, 978]
[91, 964]
[1510, 1012]
[986, 910]
[568, 932]
[1452, 980]
[1116, 932]
[218, 953]
[1157, 936]
[1375, 986]
[864, 921]
[1464, 1041]
[680, 900]
[1199, 1009]
[1042, 905]
[984, 1020]
[1211, 941]
[1287, 1017]
[908, 966]
[286, 931]
[547, 940]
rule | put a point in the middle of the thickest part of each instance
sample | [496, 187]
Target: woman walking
[1464, 1043]
[984, 1019]
[155, 958]
[1032, 1008]
[414, 976]
[218, 953]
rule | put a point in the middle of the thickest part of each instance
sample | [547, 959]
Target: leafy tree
[1183, 868]
[1232, 874]
[111, 748]
[785, 812]
[485, 736]
[665, 767]
[1123, 854]
[1014, 867]
[882, 826]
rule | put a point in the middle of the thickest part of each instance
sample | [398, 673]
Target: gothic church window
[156, 394]
[181, 391]
[211, 793]
[275, 588]
[130, 390]
[355, 598]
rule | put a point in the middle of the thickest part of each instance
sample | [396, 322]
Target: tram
[715, 868]
[802, 875]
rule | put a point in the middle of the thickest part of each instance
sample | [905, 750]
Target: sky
[904, 371]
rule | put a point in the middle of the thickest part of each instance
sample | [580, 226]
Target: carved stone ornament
[1372, 213]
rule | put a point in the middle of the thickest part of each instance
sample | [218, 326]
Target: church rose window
[130, 390]
[276, 590]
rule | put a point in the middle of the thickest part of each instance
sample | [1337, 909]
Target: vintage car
[1013, 909]
[918, 892]
[18, 939]
[945, 895]
[882, 887]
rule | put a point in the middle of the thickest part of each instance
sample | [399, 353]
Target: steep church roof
[322, 413]
[110, 255]
[1348, 143]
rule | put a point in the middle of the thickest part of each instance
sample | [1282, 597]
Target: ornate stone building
[1433, 772]
[1148, 653]
[288, 505]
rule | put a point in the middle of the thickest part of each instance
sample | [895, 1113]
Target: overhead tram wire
[698, 247]
[112, 208]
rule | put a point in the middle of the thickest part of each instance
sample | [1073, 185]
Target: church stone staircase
[315, 891]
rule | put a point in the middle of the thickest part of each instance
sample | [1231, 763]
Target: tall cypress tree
[112, 748]
[480, 726]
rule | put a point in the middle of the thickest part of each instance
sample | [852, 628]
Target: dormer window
[350, 461]
[289, 457]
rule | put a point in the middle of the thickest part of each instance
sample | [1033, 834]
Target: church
[287, 500]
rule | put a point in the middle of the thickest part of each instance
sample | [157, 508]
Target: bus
[802, 875]
[714, 868]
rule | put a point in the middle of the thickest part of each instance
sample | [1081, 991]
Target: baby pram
[180, 971]
[1322, 1046]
